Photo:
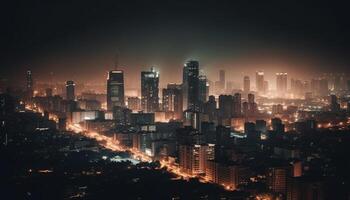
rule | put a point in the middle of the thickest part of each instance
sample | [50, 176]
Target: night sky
[79, 39]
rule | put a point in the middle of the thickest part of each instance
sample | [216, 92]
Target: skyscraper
[150, 90]
[172, 100]
[115, 89]
[259, 81]
[70, 90]
[246, 84]
[203, 89]
[190, 85]
[281, 83]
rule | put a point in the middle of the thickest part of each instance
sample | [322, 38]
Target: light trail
[110, 143]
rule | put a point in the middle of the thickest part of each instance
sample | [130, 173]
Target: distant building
[281, 83]
[70, 90]
[246, 84]
[203, 89]
[259, 82]
[190, 85]
[150, 91]
[115, 89]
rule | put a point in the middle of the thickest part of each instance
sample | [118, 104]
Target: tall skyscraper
[115, 89]
[246, 84]
[203, 89]
[190, 85]
[70, 90]
[29, 83]
[150, 91]
[259, 81]
[281, 83]
[172, 100]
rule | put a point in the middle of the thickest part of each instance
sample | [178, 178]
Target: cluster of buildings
[239, 139]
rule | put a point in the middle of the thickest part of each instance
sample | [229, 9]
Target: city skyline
[172, 99]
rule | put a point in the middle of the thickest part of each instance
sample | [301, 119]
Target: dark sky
[78, 39]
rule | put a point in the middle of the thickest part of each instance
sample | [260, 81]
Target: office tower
[172, 100]
[246, 84]
[281, 83]
[323, 87]
[70, 90]
[250, 131]
[203, 89]
[225, 106]
[190, 85]
[134, 103]
[237, 105]
[210, 108]
[115, 89]
[29, 84]
[259, 82]
[222, 80]
[150, 91]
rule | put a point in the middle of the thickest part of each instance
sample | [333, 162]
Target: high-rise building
[172, 100]
[190, 85]
[203, 89]
[259, 81]
[70, 90]
[29, 83]
[281, 83]
[277, 179]
[150, 91]
[115, 89]
[210, 108]
[246, 84]
[193, 158]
